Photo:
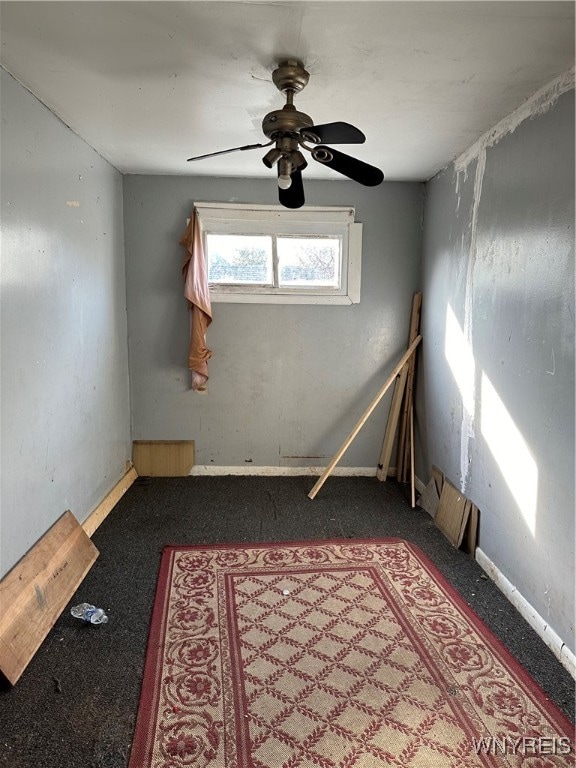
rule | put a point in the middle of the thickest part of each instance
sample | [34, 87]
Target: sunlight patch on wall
[460, 359]
[511, 452]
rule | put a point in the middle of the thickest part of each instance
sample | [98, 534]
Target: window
[271, 254]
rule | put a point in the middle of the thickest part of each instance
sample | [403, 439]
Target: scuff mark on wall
[553, 371]
[537, 104]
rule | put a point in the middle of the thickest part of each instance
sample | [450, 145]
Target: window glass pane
[309, 261]
[244, 259]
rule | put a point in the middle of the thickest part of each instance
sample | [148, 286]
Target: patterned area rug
[341, 654]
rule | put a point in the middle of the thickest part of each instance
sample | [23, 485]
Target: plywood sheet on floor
[34, 593]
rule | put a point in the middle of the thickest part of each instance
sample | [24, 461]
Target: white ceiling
[148, 84]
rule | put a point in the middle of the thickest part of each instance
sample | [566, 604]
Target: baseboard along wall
[98, 515]
[524, 608]
[211, 469]
[538, 624]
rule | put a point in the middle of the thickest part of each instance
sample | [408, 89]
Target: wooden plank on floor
[34, 593]
[97, 517]
[364, 418]
[450, 514]
[464, 522]
[391, 425]
[412, 474]
[471, 533]
[403, 436]
[163, 458]
[438, 476]
[429, 499]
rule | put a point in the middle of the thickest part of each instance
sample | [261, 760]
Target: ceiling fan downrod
[284, 126]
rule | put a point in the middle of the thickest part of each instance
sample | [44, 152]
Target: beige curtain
[198, 296]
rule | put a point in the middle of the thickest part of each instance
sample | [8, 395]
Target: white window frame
[237, 218]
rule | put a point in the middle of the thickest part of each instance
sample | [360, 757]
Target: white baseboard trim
[538, 624]
[210, 469]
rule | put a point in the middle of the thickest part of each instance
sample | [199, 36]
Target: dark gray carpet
[76, 703]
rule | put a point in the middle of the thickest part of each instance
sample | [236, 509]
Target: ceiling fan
[290, 130]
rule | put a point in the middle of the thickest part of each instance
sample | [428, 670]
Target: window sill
[277, 298]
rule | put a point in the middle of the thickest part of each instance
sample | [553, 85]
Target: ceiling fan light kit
[285, 172]
[290, 130]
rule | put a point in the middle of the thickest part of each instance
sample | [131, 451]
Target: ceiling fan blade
[293, 197]
[336, 133]
[226, 151]
[355, 169]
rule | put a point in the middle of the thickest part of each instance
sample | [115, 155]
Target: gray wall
[65, 399]
[285, 381]
[496, 397]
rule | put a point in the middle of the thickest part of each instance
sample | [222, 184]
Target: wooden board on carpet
[452, 514]
[34, 593]
[403, 448]
[438, 476]
[98, 515]
[471, 532]
[391, 425]
[364, 418]
[429, 499]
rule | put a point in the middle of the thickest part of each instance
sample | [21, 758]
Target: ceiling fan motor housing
[290, 76]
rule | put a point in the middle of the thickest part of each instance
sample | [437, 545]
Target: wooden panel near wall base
[163, 458]
[438, 476]
[429, 499]
[471, 532]
[452, 513]
[34, 593]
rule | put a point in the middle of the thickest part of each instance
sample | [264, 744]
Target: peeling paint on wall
[499, 272]
[468, 416]
[537, 104]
